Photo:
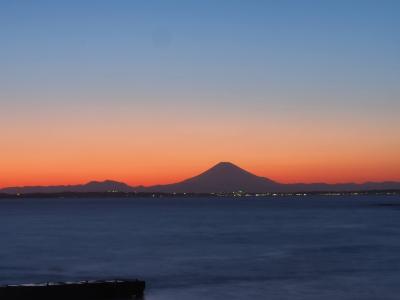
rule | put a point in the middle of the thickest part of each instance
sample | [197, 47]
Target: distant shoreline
[223, 179]
[116, 194]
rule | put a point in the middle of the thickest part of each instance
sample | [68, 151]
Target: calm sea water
[252, 248]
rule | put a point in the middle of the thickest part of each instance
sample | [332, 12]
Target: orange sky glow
[153, 93]
[122, 145]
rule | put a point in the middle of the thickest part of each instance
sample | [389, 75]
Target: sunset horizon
[186, 149]
[195, 172]
[144, 94]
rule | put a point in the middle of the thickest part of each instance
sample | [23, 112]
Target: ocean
[316, 247]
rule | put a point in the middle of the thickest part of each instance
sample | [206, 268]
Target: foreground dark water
[253, 248]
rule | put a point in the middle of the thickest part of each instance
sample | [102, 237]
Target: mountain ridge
[224, 177]
[91, 186]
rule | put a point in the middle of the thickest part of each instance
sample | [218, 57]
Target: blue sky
[243, 68]
[306, 43]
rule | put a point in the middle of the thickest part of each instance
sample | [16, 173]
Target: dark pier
[82, 290]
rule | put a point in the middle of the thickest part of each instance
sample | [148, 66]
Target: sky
[150, 92]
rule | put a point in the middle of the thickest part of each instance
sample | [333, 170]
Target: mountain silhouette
[92, 186]
[224, 177]
[227, 177]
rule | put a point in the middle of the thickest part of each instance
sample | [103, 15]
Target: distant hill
[341, 187]
[224, 177]
[93, 186]
[227, 177]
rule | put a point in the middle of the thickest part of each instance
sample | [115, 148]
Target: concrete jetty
[82, 290]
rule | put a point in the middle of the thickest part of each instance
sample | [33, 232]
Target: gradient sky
[156, 91]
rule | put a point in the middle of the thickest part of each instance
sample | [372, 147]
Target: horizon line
[103, 180]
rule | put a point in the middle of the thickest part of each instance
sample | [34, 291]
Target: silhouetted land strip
[193, 195]
[223, 179]
[83, 290]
